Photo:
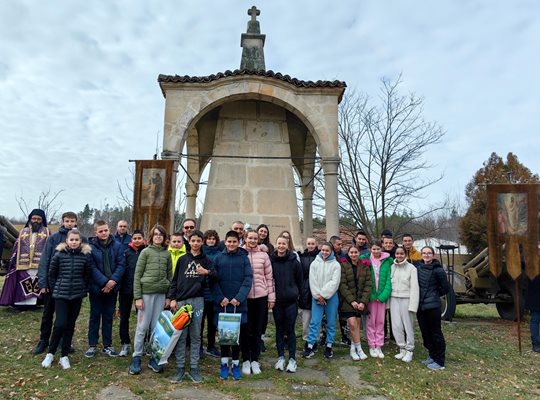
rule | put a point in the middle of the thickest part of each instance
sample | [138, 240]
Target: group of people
[359, 286]
[244, 274]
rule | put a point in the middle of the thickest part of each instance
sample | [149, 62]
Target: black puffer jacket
[287, 274]
[132, 255]
[433, 284]
[306, 258]
[70, 272]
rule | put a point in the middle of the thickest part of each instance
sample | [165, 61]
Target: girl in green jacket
[381, 289]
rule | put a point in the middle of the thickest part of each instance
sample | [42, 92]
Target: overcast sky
[79, 94]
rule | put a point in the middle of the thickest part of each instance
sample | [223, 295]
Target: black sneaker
[213, 352]
[345, 341]
[40, 347]
[308, 352]
[328, 353]
[180, 373]
[536, 348]
[195, 375]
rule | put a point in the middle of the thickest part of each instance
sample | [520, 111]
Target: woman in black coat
[304, 302]
[432, 284]
[69, 276]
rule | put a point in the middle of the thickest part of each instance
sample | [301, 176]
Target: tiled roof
[239, 72]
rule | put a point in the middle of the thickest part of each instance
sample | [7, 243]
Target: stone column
[307, 194]
[330, 165]
[193, 173]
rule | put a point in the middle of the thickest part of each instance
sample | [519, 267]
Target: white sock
[235, 362]
[225, 360]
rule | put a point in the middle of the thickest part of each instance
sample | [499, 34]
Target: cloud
[78, 80]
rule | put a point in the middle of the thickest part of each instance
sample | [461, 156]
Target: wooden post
[518, 313]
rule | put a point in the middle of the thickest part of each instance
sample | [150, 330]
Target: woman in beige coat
[403, 304]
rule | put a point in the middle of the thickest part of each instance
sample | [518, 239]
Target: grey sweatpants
[402, 322]
[146, 319]
[194, 331]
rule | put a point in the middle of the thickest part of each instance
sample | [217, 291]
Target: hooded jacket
[186, 282]
[48, 252]
[306, 258]
[70, 272]
[405, 283]
[263, 279]
[132, 255]
[234, 281]
[117, 263]
[413, 255]
[153, 272]
[432, 284]
[355, 285]
[324, 276]
[287, 277]
[381, 291]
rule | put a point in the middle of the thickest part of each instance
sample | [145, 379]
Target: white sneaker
[361, 353]
[124, 352]
[246, 368]
[280, 364]
[255, 367]
[380, 354]
[400, 355]
[408, 356]
[373, 352]
[64, 362]
[354, 354]
[47, 362]
[291, 366]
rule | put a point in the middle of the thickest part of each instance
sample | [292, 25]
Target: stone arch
[313, 113]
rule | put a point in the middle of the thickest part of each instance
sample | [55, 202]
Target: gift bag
[229, 328]
[164, 338]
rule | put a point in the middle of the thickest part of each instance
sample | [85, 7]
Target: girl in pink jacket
[261, 297]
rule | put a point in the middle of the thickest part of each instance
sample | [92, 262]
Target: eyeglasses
[189, 227]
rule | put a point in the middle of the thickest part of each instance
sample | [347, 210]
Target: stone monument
[255, 128]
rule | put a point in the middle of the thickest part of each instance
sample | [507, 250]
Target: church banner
[152, 195]
[513, 229]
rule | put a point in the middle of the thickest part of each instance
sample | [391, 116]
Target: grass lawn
[482, 363]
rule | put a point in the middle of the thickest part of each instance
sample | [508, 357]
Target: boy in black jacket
[191, 275]
[125, 295]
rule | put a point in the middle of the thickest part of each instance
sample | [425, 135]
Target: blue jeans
[317, 312]
[535, 328]
[101, 311]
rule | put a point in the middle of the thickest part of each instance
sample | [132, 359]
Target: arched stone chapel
[256, 128]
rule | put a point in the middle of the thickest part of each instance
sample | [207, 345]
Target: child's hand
[201, 270]
[271, 305]
[139, 304]
[173, 305]
[224, 302]
[235, 302]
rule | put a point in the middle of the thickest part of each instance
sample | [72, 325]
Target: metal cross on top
[254, 12]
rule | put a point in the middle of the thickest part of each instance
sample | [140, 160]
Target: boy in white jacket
[324, 278]
[403, 304]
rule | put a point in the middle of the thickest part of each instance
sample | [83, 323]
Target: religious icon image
[152, 190]
[512, 213]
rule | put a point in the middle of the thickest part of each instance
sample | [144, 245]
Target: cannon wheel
[448, 305]
[508, 310]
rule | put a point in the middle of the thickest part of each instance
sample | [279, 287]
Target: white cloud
[78, 79]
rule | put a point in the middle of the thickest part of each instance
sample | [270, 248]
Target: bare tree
[383, 151]
[47, 201]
